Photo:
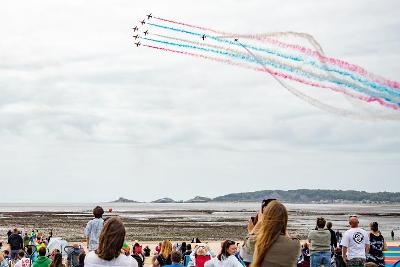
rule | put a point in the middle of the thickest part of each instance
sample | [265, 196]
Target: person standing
[333, 236]
[355, 244]
[392, 234]
[320, 249]
[16, 243]
[377, 246]
[93, 229]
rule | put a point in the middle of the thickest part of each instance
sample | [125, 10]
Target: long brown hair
[111, 239]
[57, 261]
[274, 223]
[166, 249]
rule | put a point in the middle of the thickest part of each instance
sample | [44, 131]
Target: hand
[250, 226]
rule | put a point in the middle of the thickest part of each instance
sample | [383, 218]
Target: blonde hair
[166, 249]
[273, 224]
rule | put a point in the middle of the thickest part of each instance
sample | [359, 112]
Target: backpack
[140, 260]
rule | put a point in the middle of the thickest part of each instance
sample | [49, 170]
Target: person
[81, 259]
[183, 248]
[305, 256]
[187, 253]
[226, 258]
[158, 248]
[42, 260]
[6, 255]
[73, 256]
[320, 245]
[253, 226]
[147, 251]
[200, 256]
[138, 255]
[338, 236]
[23, 260]
[126, 249]
[377, 246]
[26, 239]
[108, 253]
[176, 258]
[57, 262]
[337, 259]
[16, 243]
[355, 244]
[273, 245]
[3, 260]
[333, 237]
[93, 229]
[392, 234]
[164, 258]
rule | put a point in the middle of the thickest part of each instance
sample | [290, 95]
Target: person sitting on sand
[176, 258]
[164, 258]
[42, 260]
[93, 229]
[57, 262]
[226, 258]
[108, 252]
[273, 245]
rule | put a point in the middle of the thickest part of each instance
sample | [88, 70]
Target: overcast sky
[86, 116]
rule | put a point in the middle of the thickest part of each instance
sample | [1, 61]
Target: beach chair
[392, 256]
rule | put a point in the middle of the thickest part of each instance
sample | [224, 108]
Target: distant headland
[291, 196]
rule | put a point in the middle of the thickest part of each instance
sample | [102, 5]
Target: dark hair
[21, 253]
[188, 247]
[183, 247]
[57, 261]
[374, 226]
[176, 257]
[98, 212]
[111, 239]
[6, 252]
[29, 250]
[224, 249]
[15, 231]
[42, 251]
[321, 222]
[81, 258]
[329, 225]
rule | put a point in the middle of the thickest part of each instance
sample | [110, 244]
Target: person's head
[98, 212]
[305, 245]
[201, 251]
[29, 250]
[321, 222]
[166, 248]
[329, 225]
[15, 231]
[6, 252]
[228, 248]
[21, 254]
[353, 221]
[183, 246]
[26, 234]
[57, 261]
[42, 251]
[274, 224]
[188, 247]
[111, 239]
[176, 257]
[374, 227]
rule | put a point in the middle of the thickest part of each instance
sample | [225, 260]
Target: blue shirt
[174, 265]
[92, 231]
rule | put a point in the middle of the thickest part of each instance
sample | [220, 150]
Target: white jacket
[231, 261]
[92, 260]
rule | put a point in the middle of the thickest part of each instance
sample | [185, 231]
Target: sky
[85, 116]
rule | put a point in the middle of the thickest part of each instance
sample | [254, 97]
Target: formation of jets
[136, 28]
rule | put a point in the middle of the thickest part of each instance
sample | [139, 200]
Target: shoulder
[124, 260]
[91, 257]
[288, 242]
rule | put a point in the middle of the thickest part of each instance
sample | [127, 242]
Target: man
[16, 243]
[392, 234]
[23, 261]
[320, 241]
[26, 239]
[355, 244]
[93, 229]
[176, 257]
[42, 260]
[333, 236]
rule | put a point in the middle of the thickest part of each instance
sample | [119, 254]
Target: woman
[164, 258]
[273, 246]
[226, 258]
[57, 260]
[377, 245]
[110, 244]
